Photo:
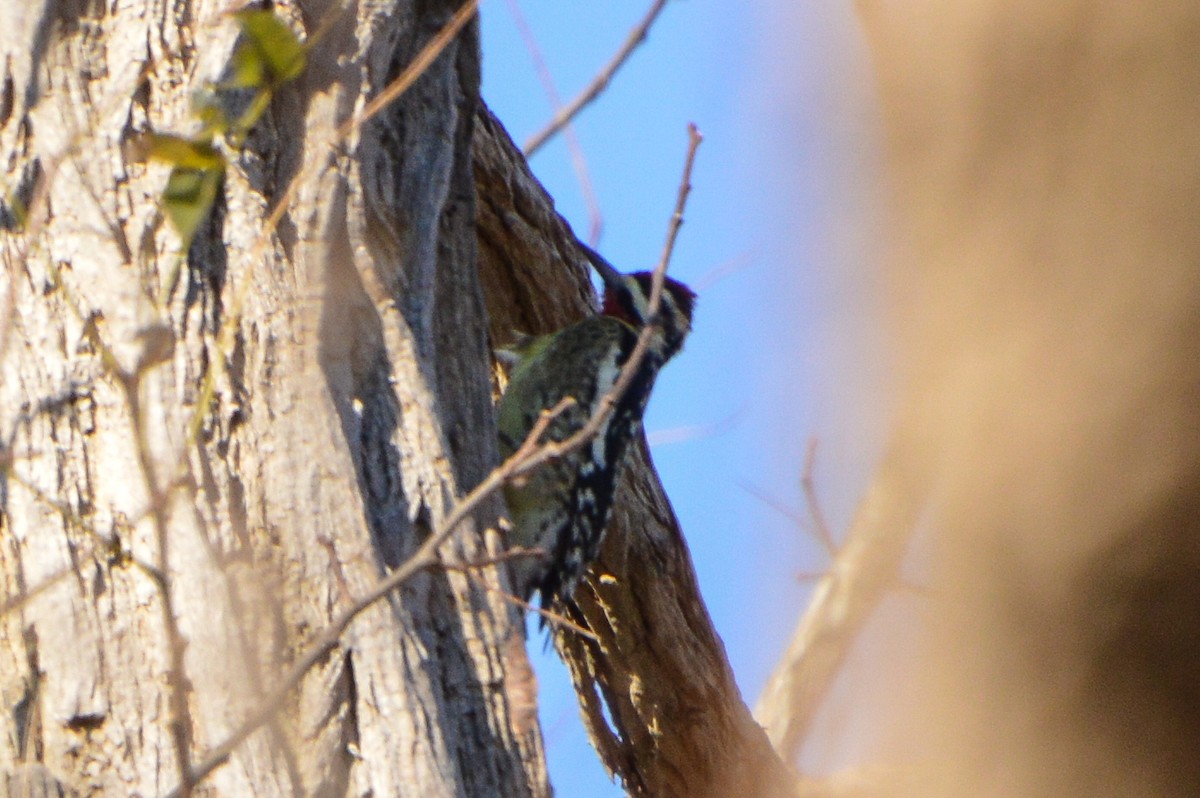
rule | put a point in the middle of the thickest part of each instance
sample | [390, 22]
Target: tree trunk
[656, 691]
[210, 454]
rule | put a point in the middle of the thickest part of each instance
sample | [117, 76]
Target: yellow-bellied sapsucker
[562, 507]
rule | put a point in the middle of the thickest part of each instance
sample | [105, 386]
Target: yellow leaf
[182, 152]
[270, 46]
[188, 198]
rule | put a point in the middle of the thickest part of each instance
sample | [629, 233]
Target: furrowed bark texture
[350, 410]
[679, 725]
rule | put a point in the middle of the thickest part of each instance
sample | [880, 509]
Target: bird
[559, 511]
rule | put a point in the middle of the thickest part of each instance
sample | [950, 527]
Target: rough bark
[679, 725]
[167, 481]
[350, 410]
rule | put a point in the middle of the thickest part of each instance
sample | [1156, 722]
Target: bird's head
[627, 297]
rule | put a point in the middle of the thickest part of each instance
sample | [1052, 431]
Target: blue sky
[786, 345]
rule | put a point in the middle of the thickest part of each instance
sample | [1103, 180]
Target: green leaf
[189, 197]
[249, 118]
[184, 153]
[270, 48]
[207, 106]
[248, 71]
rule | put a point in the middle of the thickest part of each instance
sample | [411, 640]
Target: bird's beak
[606, 270]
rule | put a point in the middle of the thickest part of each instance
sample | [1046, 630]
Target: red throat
[612, 307]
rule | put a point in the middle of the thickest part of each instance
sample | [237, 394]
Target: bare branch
[599, 83]
[553, 617]
[129, 381]
[34, 214]
[776, 505]
[864, 569]
[20, 600]
[578, 160]
[110, 543]
[723, 270]
[179, 721]
[408, 77]
[514, 553]
[820, 526]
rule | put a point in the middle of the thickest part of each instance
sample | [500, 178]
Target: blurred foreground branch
[864, 568]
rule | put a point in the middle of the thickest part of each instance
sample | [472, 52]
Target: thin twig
[578, 161]
[428, 54]
[21, 599]
[820, 525]
[814, 524]
[35, 215]
[865, 568]
[722, 270]
[130, 384]
[529, 455]
[775, 504]
[515, 553]
[599, 83]
[691, 432]
[808, 577]
[179, 721]
[9, 306]
[130, 381]
[468, 570]
[108, 543]
[676, 220]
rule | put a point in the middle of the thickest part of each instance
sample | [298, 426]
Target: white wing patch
[606, 377]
